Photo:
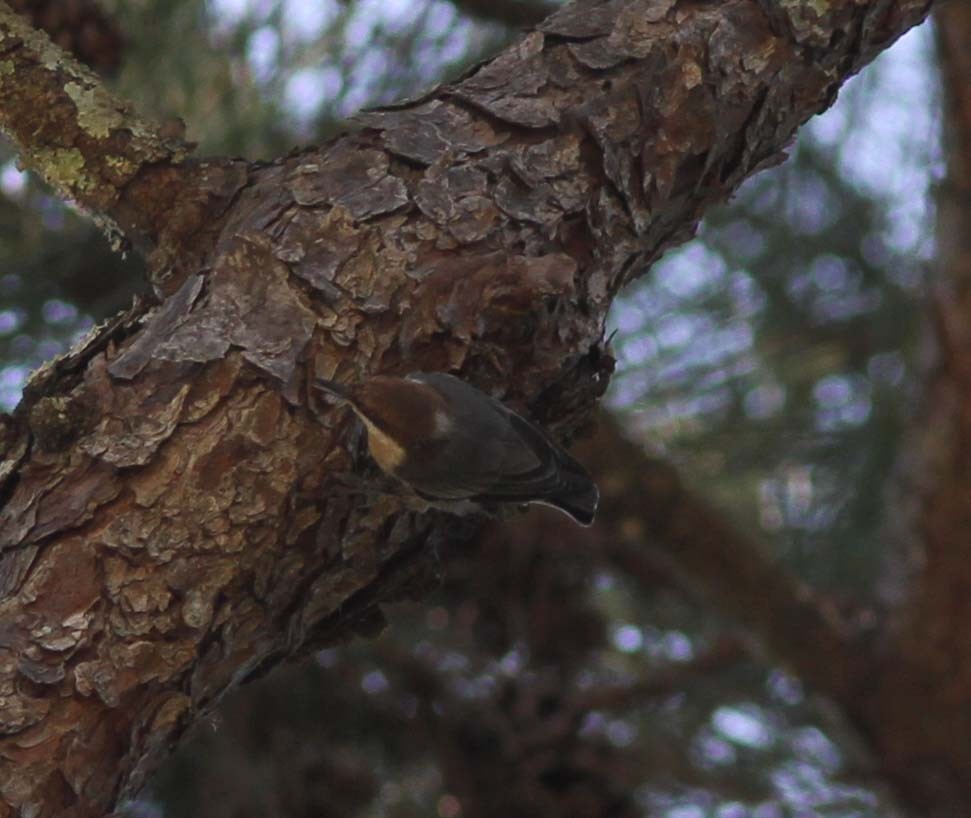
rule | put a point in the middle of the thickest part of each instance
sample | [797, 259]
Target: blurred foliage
[775, 359]
[255, 77]
[539, 682]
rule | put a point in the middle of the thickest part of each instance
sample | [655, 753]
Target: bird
[449, 442]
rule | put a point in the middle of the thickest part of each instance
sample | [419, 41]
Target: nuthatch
[449, 441]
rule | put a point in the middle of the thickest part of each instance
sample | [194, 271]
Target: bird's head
[451, 442]
[400, 414]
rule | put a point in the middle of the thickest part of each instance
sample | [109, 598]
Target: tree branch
[651, 524]
[171, 518]
[82, 140]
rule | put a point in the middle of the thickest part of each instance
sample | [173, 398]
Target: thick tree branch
[82, 140]
[171, 519]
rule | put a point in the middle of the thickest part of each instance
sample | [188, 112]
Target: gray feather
[495, 455]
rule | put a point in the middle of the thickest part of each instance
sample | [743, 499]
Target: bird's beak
[332, 388]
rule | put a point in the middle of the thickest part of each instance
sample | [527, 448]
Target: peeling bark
[172, 519]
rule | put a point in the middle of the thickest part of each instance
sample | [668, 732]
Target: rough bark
[172, 521]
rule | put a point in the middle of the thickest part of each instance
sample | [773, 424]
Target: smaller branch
[81, 139]
[690, 542]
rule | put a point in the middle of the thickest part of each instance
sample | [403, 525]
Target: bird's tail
[581, 506]
[332, 388]
[579, 495]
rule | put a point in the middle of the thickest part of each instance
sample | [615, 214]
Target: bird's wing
[512, 461]
[459, 473]
[532, 467]
[557, 479]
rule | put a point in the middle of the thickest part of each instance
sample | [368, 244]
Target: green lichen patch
[121, 168]
[98, 113]
[62, 167]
